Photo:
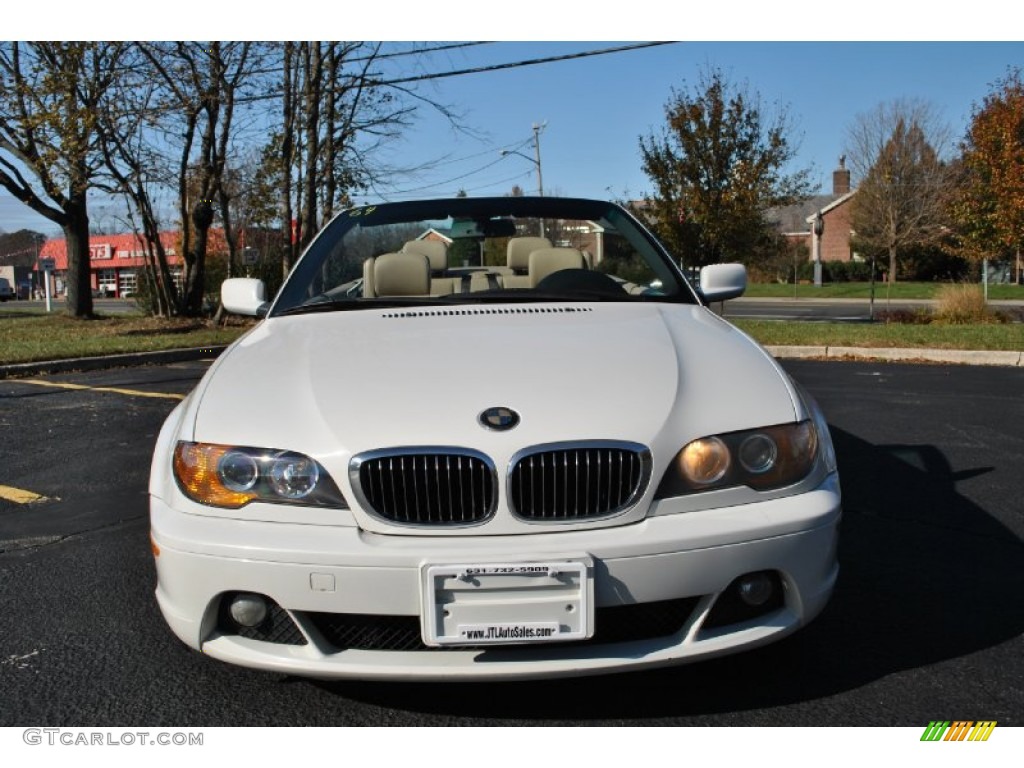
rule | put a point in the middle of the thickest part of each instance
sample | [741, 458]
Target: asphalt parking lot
[925, 624]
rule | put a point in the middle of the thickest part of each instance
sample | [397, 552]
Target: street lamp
[817, 229]
[537, 128]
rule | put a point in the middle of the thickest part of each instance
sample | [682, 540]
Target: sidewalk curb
[907, 355]
[880, 302]
[128, 360]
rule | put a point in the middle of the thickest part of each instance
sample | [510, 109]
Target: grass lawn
[30, 336]
[1000, 292]
[987, 336]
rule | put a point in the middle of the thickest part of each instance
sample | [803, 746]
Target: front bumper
[315, 570]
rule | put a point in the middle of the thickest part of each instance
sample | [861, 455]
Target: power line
[461, 176]
[419, 51]
[523, 63]
[277, 69]
[449, 161]
[370, 83]
[392, 196]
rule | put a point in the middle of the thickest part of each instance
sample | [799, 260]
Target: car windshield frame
[298, 294]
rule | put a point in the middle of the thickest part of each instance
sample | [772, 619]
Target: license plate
[507, 603]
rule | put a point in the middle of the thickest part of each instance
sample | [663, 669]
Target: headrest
[401, 274]
[547, 260]
[519, 250]
[435, 250]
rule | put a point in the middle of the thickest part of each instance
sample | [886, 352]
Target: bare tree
[200, 86]
[50, 94]
[896, 154]
[136, 169]
[336, 112]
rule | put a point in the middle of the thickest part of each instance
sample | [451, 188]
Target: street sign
[47, 265]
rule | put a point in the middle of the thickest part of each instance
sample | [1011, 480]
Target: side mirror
[719, 282]
[244, 296]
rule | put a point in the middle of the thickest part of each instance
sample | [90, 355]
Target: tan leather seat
[435, 251]
[368, 287]
[545, 261]
[441, 283]
[517, 259]
[517, 255]
[401, 274]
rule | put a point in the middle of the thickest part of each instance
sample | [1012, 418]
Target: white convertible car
[491, 439]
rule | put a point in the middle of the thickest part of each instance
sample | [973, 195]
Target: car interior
[421, 268]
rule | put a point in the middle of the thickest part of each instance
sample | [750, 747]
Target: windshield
[473, 250]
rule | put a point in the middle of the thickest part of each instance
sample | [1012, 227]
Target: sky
[593, 110]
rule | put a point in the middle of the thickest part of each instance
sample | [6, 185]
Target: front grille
[578, 481]
[426, 486]
[615, 624]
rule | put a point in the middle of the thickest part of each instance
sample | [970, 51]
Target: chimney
[841, 178]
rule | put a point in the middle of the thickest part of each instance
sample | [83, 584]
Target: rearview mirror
[243, 296]
[719, 282]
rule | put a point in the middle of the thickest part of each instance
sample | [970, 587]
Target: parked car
[6, 291]
[551, 459]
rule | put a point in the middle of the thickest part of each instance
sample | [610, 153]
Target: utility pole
[537, 128]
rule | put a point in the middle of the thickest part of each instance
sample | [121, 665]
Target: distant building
[117, 262]
[17, 279]
[795, 222]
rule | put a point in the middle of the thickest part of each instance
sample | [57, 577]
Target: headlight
[762, 459]
[704, 462]
[232, 476]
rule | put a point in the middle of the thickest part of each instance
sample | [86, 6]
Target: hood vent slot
[457, 312]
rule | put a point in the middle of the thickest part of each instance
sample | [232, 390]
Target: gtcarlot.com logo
[72, 737]
[958, 730]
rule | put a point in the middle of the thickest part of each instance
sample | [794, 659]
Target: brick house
[796, 222]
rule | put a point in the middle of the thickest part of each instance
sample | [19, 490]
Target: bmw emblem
[499, 419]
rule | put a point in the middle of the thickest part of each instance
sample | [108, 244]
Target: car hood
[335, 384]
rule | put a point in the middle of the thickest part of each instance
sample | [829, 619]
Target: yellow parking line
[19, 496]
[116, 390]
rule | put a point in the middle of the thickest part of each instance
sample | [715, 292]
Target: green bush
[836, 272]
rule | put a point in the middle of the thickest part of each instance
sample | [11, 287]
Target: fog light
[755, 589]
[248, 610]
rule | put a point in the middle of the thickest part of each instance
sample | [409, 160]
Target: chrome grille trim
[426, 485]
[580, 480]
